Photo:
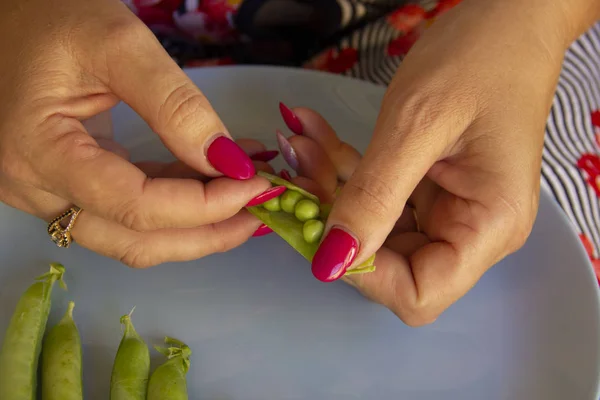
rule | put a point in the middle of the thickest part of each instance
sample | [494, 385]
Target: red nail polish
[284, 173]
[334, 256]
[266, 196]
[265, 156]
[229, 159]
[290, 119]
[262, 231]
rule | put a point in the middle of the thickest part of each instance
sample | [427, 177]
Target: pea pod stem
[290, 228]
[169, 379]
[22, 345]
[131, 368]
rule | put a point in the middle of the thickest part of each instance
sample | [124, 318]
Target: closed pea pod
[61, 361]
[168, 382]
[22, 342]
[129, 380]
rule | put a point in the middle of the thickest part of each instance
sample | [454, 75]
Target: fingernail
[229, 159]
[262, 231]
[266, 196]
[287, 151]
[291, 119]
[284, 173]
[334, 256]
[265, 156]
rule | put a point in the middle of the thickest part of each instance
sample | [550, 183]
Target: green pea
[289, 200]
[61, 360]
[169, 380]
[306, 209]
[22, 343]
[288, 227]
[313, 230]
[131, 367]
[273, 204]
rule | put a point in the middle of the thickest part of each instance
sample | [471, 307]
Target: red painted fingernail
[266, 196]
[229, 159]
[284, 173]
[265, 156]
[334, 256]
[262, 231]
[291, 119]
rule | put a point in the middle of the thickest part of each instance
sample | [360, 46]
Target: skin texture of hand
[71, 62]
[459, 138]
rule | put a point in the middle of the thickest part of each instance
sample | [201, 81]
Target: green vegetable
[131, 367]
[313, 230]
[306, 209]
[168, 382]
[273, 204]
[61, 361]
[277, 181]
[22, 343]
[289, 200]
[290, 229]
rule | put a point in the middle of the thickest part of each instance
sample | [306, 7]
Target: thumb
[145, 77]
[405, 145]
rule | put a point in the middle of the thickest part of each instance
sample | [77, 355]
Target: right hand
[64, 62]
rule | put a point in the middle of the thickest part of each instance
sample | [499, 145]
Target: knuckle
[132, 217]
[416, 113]
[134, 255]
[185, 107]
[417, 313]
[132, 213]
[219, 241]
[521, 229]
[123, 32]
[416, 310]
[517, 223]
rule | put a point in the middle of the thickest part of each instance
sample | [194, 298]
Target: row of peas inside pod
[299, 218]
[27, 342]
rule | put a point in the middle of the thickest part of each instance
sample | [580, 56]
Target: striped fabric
[570, 134]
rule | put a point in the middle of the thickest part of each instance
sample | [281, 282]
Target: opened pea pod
[299, 218]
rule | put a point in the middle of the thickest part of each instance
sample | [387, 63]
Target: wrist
[557, 22]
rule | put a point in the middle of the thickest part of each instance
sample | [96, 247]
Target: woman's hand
[64, 62]
[459, 138]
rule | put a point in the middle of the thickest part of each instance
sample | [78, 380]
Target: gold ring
[61, 236]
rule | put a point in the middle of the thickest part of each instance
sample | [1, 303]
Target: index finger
[109, 186]
[133, 65]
